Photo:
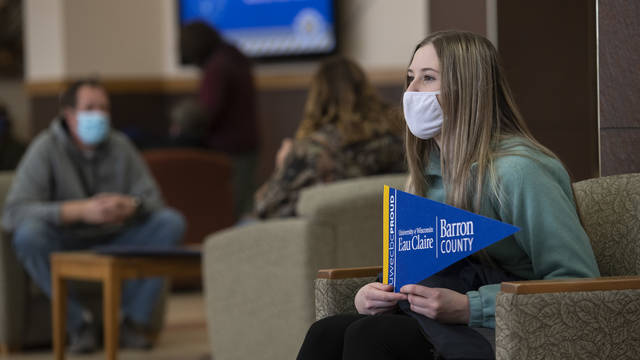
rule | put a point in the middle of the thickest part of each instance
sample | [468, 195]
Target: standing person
[347, 131]
[82, 185]
[467, 145]
[228, 98]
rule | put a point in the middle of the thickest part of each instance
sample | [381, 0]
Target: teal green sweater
[537, 197]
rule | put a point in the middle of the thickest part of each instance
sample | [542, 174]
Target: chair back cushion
[609, 209]
[353, 210]
[198, 184]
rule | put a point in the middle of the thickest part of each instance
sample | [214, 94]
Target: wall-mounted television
[269, 29]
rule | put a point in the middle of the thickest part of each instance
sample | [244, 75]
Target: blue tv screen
[268, 28]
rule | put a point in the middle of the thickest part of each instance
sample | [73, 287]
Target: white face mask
[423, 113]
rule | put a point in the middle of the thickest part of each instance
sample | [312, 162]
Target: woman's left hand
[443, 305]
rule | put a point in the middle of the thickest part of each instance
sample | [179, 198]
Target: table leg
[111, 308]
[59, 312]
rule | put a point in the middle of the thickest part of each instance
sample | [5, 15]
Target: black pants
[352, 336]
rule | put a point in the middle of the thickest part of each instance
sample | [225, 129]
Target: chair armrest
[258, 282]
[570, 285]
[598, 318]
[336, 289]
[345, 273]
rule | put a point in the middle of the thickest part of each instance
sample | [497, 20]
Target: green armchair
[258, 278]
[555, 319]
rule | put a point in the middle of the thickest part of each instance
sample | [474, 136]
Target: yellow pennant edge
[385, 232]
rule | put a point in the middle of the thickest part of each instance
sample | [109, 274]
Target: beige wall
[44, 39]
[382, 33]
[137, 38]
[117, 38]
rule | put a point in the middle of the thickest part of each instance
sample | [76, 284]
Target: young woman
[467, 145]
[347, 131]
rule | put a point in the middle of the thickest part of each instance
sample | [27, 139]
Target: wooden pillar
[548, 50]
[619, 82]
[468, 15]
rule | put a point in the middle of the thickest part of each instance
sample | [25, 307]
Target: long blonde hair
[479, 111]
[341, 95]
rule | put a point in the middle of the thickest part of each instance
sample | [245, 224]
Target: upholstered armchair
[556, 319]
[198, 184]
[258, 278]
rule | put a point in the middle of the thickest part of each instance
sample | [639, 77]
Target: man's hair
[70, 96]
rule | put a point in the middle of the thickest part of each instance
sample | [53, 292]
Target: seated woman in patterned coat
[347, 132]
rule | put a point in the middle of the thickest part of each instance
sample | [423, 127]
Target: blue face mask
[93, 127]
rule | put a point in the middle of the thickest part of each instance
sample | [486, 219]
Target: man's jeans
[35, 240]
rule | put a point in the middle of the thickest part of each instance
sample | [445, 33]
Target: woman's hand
[443, 305]
[285, 149]
[375, 298]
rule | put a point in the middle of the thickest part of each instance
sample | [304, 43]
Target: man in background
[82, 185]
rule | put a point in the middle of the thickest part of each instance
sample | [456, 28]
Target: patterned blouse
[324, 158]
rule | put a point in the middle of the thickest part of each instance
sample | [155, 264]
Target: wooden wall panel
[468, 15]
[43, 109]
[619, 54]
[548, 49]
[144, 116]
[280, 113]
[620, 149]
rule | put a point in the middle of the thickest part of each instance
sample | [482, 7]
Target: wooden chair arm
[514, 287]
[570, 285]
[346, 273]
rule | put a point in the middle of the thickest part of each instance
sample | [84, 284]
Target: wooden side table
[110, 270]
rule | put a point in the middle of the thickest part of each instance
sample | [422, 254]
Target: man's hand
[110, 208]
[105, 208]
[443, 305]
[95, 212]
[375, 298]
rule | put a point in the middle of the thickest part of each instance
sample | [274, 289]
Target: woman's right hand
[375, 298]
[285, 149]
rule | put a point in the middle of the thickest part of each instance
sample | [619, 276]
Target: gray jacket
[54, 170]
